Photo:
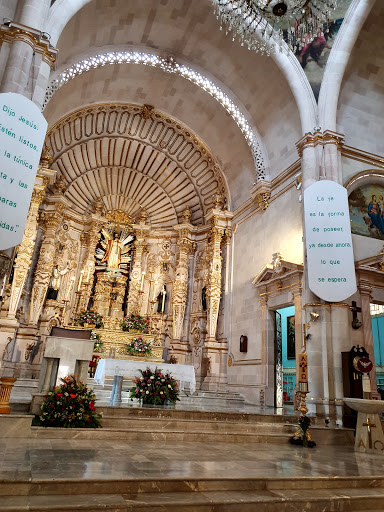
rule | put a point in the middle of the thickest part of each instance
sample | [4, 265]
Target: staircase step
[207, 501]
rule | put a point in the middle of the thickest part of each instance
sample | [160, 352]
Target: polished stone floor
[25, 459]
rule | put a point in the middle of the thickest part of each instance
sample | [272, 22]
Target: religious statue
[55, 282]
[161, 300]
[114, 250]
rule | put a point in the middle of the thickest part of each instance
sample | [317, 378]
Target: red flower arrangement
[70, 405]
[155, 388]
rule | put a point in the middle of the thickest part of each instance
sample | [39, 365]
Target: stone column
[48, 374]
[180, 286]
[214, 280]
[26, 43]
[365, 290]
[89, 241]
[45, 262]
[117, 303]
[297, 302]
[141, 232]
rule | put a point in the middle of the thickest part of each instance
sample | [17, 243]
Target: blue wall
[285, 312]
[378, 339]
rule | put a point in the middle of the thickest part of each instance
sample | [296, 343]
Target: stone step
[278, 500]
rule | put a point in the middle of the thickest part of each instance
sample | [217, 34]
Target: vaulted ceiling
[132, 160]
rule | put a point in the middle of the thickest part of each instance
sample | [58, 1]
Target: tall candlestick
[154, 291]
[142, 281]
[163, 304]
[80, 279]
[70, 287]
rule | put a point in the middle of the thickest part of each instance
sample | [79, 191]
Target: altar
[119, 368]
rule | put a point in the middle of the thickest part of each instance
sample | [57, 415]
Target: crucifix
[356, 324]
[369, 425]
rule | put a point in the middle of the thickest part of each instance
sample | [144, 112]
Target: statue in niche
[162, 300]
[55, 282]
[204, 298]
[114, 250]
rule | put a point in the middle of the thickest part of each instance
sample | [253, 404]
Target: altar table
[127, 368]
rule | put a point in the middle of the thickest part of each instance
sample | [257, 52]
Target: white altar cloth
[124, 367]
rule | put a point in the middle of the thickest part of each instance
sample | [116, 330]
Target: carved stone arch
[127, 151]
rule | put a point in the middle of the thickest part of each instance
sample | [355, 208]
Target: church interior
[170, 211]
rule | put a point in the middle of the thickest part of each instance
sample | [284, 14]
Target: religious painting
[313, 57]
[366, 210]
[291, 350]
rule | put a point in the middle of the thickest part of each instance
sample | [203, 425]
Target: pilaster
[134, 296]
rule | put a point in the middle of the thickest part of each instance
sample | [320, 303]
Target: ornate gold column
[102, 297]
[89, 239]
[27, 246]
[141, 232]
[180, 286]
[51, 221]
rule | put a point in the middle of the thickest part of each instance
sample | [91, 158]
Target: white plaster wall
[278, 229]
[361, 101]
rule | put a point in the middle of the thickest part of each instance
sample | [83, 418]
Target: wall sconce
[314, 316]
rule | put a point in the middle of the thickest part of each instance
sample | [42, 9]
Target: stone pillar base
[214, 365]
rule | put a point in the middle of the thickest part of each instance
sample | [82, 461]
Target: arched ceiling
[113, 152]
[190, 32]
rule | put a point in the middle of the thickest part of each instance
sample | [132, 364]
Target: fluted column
[45, 262]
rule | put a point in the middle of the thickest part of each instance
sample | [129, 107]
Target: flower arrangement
[98, 344]
[135, 322]
[302, 436]
[70, 405]
[138, 346]
[89, 317]
[155, 387]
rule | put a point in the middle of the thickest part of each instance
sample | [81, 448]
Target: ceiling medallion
[260, 23]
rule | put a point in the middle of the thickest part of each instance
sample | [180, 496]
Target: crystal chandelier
[260, 23]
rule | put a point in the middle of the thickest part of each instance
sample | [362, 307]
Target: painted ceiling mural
[313, 57]
[366, 209]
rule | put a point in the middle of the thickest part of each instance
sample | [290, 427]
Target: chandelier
[258, 24]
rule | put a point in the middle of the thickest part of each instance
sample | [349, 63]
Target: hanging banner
[331, 266]
[22, 133]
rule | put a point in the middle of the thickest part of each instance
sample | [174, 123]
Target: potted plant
[135, 323]
[70, 405]
[139, 347]
[89, 319]
[155, 387]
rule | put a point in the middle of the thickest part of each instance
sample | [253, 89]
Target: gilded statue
[114, 250]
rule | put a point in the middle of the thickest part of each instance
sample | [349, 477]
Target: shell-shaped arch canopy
[134, 157]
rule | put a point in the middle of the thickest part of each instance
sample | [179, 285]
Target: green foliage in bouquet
[98, 344]
[70, 405]
[89, 317]
[135, 322]
[155, 388]
[138, 346]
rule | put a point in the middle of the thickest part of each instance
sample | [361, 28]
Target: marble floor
[44, 459]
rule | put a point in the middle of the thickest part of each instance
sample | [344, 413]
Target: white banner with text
[22, 133]
[331, 266]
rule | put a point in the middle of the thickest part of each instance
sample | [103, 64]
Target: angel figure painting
[366, 209]
[113, 250]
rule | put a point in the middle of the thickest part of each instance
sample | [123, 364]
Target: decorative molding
[108, 151]
[34, 38]
[169, 65]
[319, 138]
